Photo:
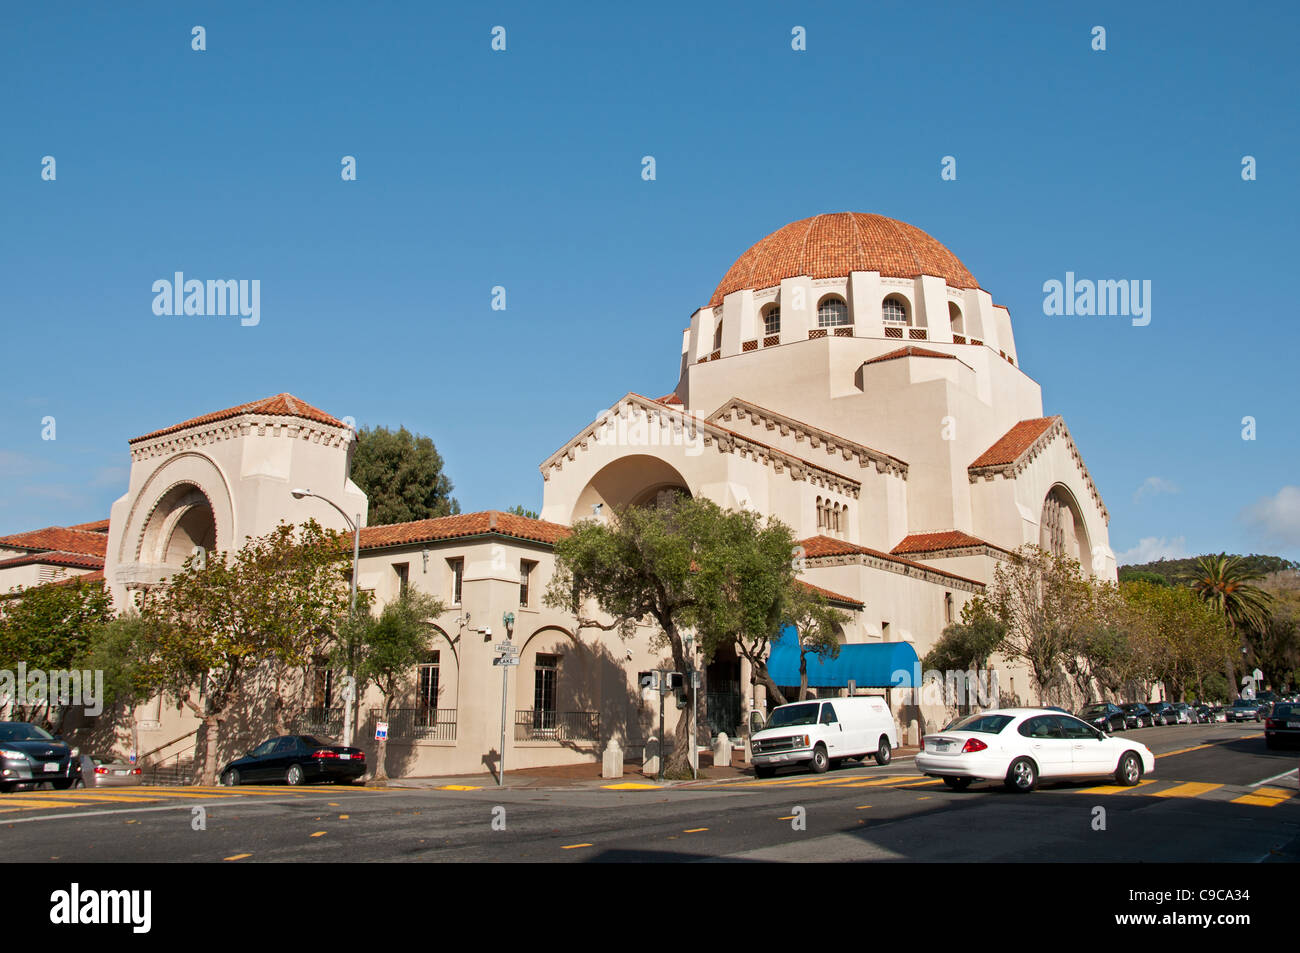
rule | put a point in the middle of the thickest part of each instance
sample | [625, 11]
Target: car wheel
[294, 775]
[762, 771]
[957, 784]
[884, 753]
[1129, 772]
[230, 779]
[1022, 776]
[819, 760]
[78, 783]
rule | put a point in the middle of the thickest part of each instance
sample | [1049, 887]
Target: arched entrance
[634, 480]
[1061, 528]
[181, 525]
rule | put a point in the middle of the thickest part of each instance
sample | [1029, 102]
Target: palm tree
[1224, 582]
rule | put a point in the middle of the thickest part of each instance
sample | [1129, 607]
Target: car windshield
[986, 724]
[1243, 703]
[1283, 711]
[1094, 710]
[311, 741]
[789, 716]
[21, 731]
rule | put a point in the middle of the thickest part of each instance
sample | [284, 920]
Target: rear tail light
[359, 756]
[135, 770]
[1270, 723]
[101, 770]
[973, 744]
[324, 753]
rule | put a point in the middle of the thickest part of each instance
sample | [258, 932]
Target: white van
[824, 732]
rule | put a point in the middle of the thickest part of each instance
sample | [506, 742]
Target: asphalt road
[1217, 795]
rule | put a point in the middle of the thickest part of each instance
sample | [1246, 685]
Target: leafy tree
[402, 475]
[1046, 605]
[1226, 583]
[48, 627]
[1184, 638]
[518, 510]
[815, 622]
[967, 645]
[276, 601]
[389, 647]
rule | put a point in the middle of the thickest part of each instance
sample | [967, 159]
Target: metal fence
[537, 724]
[324, 722]
[418, 724]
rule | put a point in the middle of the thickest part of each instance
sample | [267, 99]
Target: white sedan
[1021, 745]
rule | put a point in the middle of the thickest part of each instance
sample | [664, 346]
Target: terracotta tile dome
[832, 245]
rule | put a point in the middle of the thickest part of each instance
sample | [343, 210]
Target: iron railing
[536, 724]
[418, 724]
[323, 722]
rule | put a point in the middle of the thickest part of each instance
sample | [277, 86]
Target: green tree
[1045, 603]
[519, 510]
[817, 624]
[1184, 637]
[966, 646]
[388, 648]
[276, 602]
[48, 627]
[402, 475]
[1226, 583]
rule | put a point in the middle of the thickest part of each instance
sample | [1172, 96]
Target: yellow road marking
[1190, 789]
[882, 781]
[318, 834]
[1264, 797]
[862, 807]
[458, 787]
[1281, 793]
[574, 846]
[1114, 788]
[921, 784]
[1210, 744]
[634, 786]
[345, 817]
[29, 802]
[695, 830]
[238, 856]
[789, 818]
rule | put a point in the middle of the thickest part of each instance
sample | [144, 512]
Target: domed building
[848, 375]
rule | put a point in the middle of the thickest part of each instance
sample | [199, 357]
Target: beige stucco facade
[884, 416]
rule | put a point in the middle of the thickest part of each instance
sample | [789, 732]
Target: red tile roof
[831, 246]
[669, 399]
[58, 538]
[936, 542]
[833, 596]
[463, 524]
[78, 560]
[815, 546]
[281, 405]
[98, 526]
[910, 351]
[1014, 442]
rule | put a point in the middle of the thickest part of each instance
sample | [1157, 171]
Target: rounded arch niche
[1061, 529]
[634, 480]
[181, 523]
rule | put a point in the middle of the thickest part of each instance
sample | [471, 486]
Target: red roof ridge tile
[1008, 448]
[278, 405]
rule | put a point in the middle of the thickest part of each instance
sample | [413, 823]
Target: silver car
[107, 773]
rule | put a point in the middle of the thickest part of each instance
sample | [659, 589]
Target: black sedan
[1283, 725]
[30, 755]
[1162, 713]
[1137, 715]
[296, 759]
[1104, 717]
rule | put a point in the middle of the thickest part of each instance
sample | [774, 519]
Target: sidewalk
[587, 776]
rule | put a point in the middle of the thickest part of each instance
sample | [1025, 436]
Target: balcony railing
[325, 722]
[418, 724]
[539, 725]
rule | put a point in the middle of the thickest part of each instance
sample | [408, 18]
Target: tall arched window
[717, 336]
[833, 312]
[893, 310]
[955, 318]
[772, 319]
[820, 521]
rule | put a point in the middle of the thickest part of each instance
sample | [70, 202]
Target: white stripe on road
[1276, 777]
[72, 815]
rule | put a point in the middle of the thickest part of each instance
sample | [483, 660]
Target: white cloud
[1151, 548]
[1276, 518]
[1154, 486]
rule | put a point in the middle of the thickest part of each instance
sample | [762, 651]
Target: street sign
[381, 731]
[506, 660]
[507, 647]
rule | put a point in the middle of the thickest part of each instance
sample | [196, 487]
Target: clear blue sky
[522, 169]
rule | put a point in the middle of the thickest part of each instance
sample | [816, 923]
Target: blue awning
[878, 665]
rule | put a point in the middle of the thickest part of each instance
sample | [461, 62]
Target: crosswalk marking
[1189, 789]
[1116, 788]
[1264, 797]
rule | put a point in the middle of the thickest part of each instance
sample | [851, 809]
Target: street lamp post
[349, 689]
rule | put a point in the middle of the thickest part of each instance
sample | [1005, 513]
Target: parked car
[1186, 713]
[821, 733]
[1020, 746]
[106, 773]
[1104, 716]
[1136, 715]
[296, 759]
[1218, 714]
[1243, 709]
[30, 755]
[1162, 713]
[1283, 725]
